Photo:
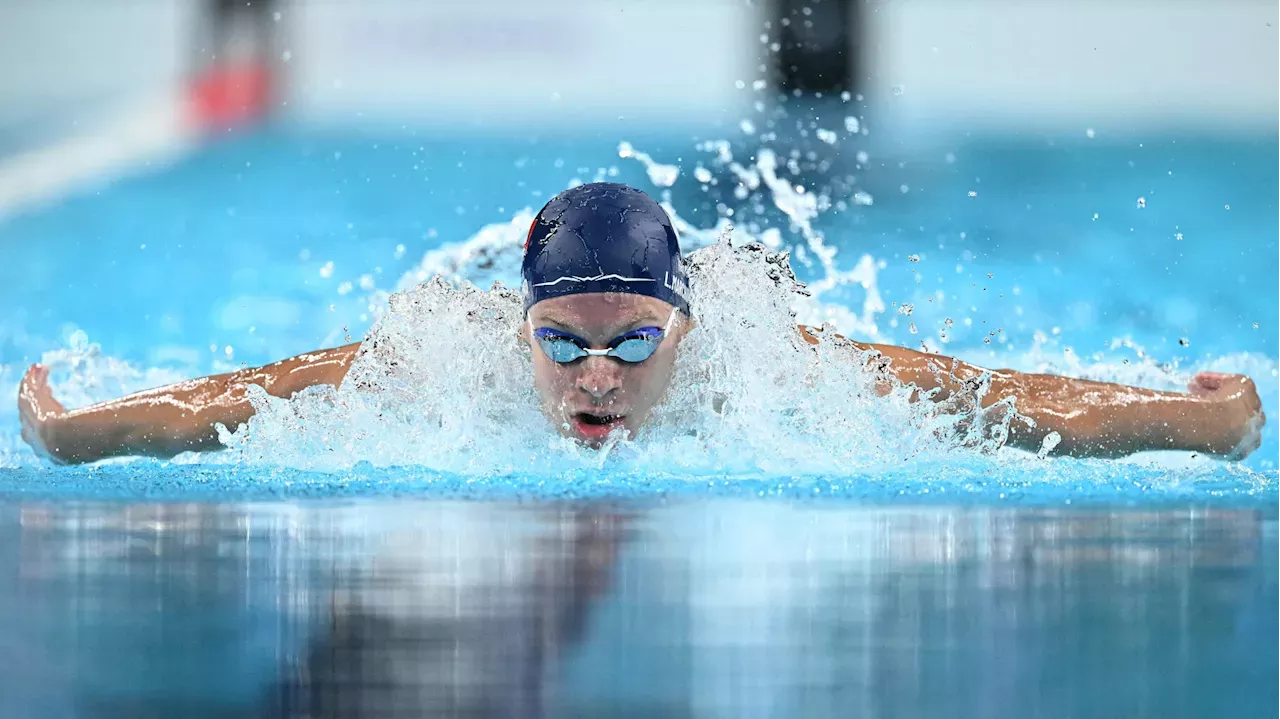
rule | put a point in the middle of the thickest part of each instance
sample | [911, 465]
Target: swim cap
[603, 237]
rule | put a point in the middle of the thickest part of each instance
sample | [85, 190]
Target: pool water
[692, 608]
[952, 584]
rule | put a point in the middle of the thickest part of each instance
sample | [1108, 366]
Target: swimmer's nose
[599, 377]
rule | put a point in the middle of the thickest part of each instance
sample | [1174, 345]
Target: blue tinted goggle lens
[561, 349]
[637, 349]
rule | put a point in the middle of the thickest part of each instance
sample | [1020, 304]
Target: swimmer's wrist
[1199, 425]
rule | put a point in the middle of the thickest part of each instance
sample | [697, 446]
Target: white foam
[441, 382]
[660, 175]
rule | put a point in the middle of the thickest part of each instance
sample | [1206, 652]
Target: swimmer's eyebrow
[554, 323]
[644, 320]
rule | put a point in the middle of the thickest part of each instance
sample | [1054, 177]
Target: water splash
[660, 175]
[442, 383]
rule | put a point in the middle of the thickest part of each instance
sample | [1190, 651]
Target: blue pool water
[951, 584]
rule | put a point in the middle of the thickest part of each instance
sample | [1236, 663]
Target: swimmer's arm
[1221, 415]
[165, 421]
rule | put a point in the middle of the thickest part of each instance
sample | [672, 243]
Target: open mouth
[595, 427]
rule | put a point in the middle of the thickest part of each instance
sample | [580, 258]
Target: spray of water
[442, 382]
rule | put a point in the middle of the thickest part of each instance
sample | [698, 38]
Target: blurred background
[1008, 65]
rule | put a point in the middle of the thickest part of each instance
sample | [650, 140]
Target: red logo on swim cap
[529, 237]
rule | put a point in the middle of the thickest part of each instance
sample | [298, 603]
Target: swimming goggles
[633, 347]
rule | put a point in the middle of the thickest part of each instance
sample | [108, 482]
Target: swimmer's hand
[1230, 421]
[40, 412]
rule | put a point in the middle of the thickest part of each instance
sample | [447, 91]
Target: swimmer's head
[602, 264]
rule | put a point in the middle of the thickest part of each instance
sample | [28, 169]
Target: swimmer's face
[591, 397]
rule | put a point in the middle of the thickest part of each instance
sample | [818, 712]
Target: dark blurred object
[233, 76]
[819, 45]
[463, 621]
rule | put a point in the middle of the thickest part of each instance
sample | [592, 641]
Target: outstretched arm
[165, 421]
[1220, 415]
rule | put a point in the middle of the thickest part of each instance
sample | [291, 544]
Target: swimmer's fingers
[1205, 383]
[35, 393]
[36, 408]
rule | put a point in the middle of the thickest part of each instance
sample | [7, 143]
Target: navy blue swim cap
[603, 237]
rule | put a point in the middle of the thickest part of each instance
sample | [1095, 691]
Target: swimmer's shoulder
[815, 335]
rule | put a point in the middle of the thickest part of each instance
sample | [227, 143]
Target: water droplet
[327, 270]
[899, 90]
[827, 136]
[1050, 441]
[1089, 133]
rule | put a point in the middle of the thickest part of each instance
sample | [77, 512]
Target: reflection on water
[714, 609]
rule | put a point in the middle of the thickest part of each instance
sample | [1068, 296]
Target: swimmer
[606, 302]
